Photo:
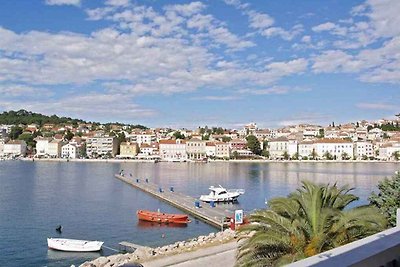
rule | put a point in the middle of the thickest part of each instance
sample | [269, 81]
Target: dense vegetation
[388, 198]
[27, 117]
[307, 222]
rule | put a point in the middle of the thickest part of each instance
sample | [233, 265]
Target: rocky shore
[148, 253]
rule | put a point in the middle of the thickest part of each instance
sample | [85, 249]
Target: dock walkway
[212, 215]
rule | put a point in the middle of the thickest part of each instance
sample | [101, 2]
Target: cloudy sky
[191, 63]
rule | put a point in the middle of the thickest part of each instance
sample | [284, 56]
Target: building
[388, 151]
[210, 149]
[101, 146]
[337, 148]
[278, 147]
[143, 138]
[70, 151]
[42, 146]
[222, 150]
[238, 144]
[173, 150]
[306, 149]
[128, 150]
[54, 148]
[363, 149]
[196, 149]
[15, 148]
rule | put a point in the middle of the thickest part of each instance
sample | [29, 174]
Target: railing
[381, 249]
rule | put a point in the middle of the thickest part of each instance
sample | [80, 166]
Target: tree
[15, 132]
[69, 135]
[388, 198]
[178, 135]
[28, 138]
[286, 155]
[345, 156]
[253, 144]
[265, 153]
[311, 220]
[226, 139]
[314, 154]
[396, 155]
[328, 155]
[235, 155]
[295, 156]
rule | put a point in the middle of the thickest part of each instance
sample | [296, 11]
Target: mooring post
[398, 218]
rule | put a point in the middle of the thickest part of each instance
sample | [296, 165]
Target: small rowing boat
[160, 217]
[74, 245]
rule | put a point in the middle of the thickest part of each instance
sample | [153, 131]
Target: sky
[195, 63]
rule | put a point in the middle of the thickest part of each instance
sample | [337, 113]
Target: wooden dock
[211, 215]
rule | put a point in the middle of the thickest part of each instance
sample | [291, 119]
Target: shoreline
[210, 161]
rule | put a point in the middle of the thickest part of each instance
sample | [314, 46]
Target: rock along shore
[148, 253]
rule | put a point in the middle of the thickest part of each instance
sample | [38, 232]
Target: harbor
[213, 215]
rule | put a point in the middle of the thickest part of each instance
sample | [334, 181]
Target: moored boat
[161, 217]
[220, 194]
[74, 245]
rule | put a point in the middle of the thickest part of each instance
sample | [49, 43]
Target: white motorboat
[220, 194]
[74, 245]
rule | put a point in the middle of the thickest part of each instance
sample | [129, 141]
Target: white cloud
[259, 20]
[63, 2]
[284, 34]
[216, 98]
[377, 106]
[324, 27]
[120, 3]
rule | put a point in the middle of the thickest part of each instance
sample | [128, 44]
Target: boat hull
[159, 217]
[74, 245]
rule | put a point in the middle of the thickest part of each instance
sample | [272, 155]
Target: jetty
[215, 216]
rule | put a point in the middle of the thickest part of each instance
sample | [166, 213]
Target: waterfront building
[196, 149]
[387, 151]
[101, 146]
[363, 149]
[54, 148]
[42, 146]
[335, 147]
[306, 148]
[263, 134]
[238, 144]
[278, 147]
[173, 150]
[2, 142]
[222, 150]
[15, 148]
[292, 147]
[128, 150]
[210, 149]
[70, 151]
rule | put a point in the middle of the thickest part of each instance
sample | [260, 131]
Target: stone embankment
[147, 253]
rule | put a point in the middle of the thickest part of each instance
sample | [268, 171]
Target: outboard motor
[59, 228]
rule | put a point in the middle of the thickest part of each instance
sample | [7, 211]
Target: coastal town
[360, 140]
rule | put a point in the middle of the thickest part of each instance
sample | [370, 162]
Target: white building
[335, 147]
[210, 149]
[374, 134]
[292, 147]
[196, 149]
[42, 146]
[306, 148]
[387, 151]
[2, 142]
[278, 147]
[222, 150]
[101, 146]
[70, 151]
[143, 138]
[173, 150]
[363, 149]
[54, 149]
[15, 148]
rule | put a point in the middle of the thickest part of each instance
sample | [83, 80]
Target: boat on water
[221, 194]
[74, 245]
[161, 217]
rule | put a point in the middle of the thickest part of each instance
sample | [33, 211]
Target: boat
[220, 194]
[160, 217]
[74, 245]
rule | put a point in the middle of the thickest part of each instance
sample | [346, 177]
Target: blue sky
[192, 63]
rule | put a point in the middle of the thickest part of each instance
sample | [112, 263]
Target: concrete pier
[214, 216]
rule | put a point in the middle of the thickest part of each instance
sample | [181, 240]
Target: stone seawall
[147, 253]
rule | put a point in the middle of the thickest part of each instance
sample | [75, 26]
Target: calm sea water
[91, 204]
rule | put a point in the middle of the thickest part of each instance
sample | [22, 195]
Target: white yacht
[220, 194]
[74, 245]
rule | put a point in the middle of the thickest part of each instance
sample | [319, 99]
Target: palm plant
[307, 222]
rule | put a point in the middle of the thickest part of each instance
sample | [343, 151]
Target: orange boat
[160, 217]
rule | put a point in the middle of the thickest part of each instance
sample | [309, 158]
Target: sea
[91, 204]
